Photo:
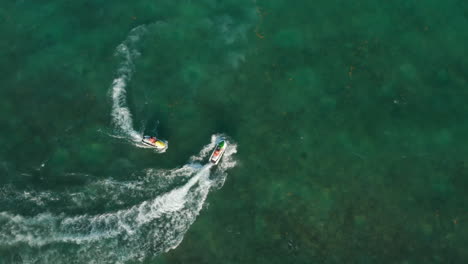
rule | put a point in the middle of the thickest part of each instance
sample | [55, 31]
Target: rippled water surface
[344, 121]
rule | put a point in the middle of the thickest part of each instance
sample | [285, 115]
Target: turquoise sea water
[345, 122]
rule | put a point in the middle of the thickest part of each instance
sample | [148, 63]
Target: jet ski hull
[218, 152]
[159, 144]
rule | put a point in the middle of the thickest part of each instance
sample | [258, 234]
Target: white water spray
[121, 116]
[138, 230]
[145, 229]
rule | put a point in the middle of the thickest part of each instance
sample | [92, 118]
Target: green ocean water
[345, 122]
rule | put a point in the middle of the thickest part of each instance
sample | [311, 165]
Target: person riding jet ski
[154, 142]
[218, 151]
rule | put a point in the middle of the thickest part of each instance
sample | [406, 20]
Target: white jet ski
[218, 152]
[154, 142]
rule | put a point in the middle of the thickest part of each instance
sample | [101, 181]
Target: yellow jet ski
[154, 142]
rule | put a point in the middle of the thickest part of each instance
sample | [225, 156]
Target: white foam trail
[145, 229]
[157, 222]
[121, 116]
[144, 185]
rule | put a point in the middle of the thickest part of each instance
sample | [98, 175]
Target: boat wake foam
[121, 115]
[135, 233]
[149, 215]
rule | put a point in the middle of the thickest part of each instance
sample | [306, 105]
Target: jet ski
[218, 152]
[154, 142]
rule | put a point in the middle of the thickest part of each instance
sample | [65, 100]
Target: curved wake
[167, 201]
[148, 228]
[121, 116]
